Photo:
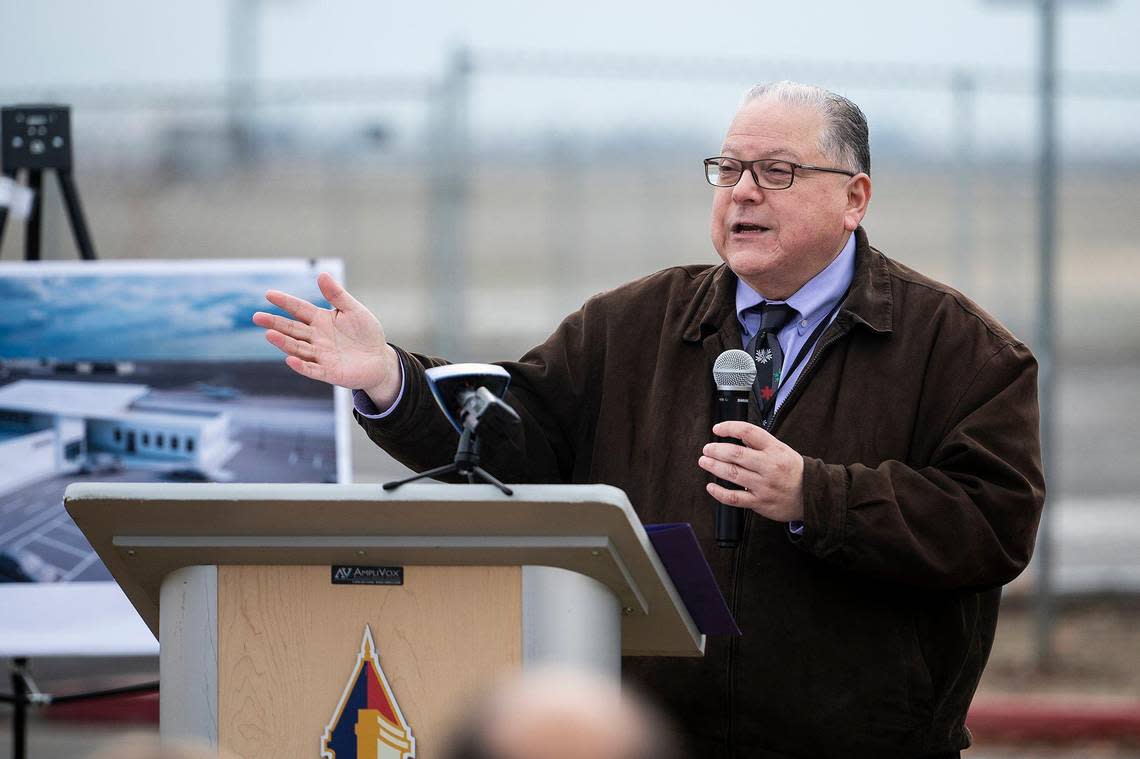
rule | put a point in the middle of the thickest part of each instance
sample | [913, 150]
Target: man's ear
[858, 198]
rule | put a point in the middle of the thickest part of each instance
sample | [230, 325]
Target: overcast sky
[61, 43]
[66, 41]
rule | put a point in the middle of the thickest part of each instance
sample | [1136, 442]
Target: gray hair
[844, 138]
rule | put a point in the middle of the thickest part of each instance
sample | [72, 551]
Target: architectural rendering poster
[142, 372]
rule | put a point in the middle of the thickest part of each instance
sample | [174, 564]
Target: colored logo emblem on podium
[367, 723]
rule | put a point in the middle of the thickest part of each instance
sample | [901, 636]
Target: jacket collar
[868, 303]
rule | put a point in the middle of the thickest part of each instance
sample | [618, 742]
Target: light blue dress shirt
[364, 405]
[813, 303]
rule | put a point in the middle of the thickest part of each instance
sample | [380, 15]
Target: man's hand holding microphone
[754, 470]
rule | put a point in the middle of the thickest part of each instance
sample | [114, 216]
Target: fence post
[1046, 316]
[566, 220]
[965, 92]
[448, 208]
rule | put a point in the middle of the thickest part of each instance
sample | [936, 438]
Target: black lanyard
[802, 352]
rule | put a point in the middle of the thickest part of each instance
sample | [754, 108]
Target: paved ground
[1097, 647]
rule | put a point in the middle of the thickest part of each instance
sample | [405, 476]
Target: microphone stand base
[466, 464]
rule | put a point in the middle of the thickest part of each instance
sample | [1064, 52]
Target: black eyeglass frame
[750, 166]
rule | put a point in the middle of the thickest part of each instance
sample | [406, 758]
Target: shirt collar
[817, 296]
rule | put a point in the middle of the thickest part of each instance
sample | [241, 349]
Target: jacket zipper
[738, 569]
[736, 572]
[795, 391]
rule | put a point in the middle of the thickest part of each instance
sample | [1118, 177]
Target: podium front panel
[288, 643]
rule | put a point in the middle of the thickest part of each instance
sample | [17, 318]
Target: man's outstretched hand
[344, 345]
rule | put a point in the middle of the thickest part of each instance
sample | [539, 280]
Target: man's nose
[746, 190]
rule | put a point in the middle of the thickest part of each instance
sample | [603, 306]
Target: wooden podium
[258, 646]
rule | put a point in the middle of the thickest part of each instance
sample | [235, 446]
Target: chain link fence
[475, 208]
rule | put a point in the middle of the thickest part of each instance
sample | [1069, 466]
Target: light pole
[1045, 338]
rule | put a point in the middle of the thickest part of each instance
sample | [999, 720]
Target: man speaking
[889, 472]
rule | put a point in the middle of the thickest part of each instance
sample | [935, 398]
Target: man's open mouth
[743, 227]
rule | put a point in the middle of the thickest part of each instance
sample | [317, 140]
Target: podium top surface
[144, 531]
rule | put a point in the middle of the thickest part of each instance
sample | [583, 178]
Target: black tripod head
[481, 408]
[35, 139]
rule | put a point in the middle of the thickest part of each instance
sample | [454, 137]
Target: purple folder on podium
[677, 546]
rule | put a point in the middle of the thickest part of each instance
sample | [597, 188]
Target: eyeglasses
[767, 173]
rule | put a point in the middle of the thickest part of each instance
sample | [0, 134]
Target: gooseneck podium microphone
[733, 374]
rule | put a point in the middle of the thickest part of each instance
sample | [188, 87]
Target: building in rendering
[51, 427]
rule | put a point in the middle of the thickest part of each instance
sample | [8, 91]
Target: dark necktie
[765, 349]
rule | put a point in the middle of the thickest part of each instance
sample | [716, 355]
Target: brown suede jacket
[917, 419]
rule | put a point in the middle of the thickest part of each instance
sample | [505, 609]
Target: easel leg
[75, 214]
[32, 230]
[20, 710]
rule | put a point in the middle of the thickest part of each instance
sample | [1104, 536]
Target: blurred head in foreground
[557, 713]
[149, 747]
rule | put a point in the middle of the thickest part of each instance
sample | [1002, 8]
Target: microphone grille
[734, 369]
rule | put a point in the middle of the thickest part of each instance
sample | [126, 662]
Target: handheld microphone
[733, 374]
